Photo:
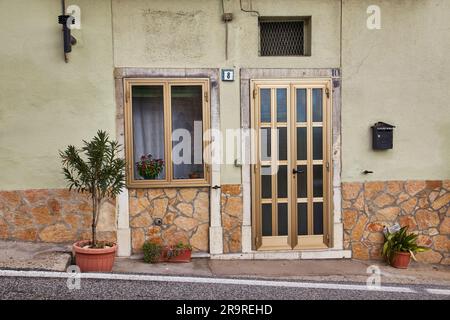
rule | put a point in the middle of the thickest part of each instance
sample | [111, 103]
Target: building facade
[260, 112]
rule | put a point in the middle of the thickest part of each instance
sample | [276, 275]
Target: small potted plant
[152, 251]
[399, 247]
[195, 175]
[181, 252]
[149, 167]
[155, 252]
[95, 169]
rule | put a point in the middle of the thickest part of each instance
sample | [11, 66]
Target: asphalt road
[167, 288]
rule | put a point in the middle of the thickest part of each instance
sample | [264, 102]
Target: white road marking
[265, 283]
[438, 291]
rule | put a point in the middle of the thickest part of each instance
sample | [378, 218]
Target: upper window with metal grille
[282, 37]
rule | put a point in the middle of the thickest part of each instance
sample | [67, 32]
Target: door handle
[295, 171]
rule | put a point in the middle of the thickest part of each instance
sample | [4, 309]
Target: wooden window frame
[166, 83]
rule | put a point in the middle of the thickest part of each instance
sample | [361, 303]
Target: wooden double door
[291, 174]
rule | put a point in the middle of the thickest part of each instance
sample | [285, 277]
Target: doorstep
[285, 255]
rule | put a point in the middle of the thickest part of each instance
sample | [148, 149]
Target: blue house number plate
[227, 75]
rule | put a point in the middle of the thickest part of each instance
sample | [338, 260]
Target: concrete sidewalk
[51, 257]
[34, 256]
[307, 270]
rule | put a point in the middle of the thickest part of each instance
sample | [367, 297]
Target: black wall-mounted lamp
[66, 20]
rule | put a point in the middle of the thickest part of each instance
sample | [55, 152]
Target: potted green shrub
[95, 169]
[152, 251]
[399, 247]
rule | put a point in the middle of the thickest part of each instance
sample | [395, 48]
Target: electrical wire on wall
[251, 8]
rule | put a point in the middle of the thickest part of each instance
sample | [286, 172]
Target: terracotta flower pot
[94, 260]
[175, 255]
[400, 260]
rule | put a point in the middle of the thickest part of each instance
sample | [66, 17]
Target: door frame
[293, 241]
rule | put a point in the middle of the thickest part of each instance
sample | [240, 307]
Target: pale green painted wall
[401, 75]
[398, 74]
[45, 103]
[191, 34]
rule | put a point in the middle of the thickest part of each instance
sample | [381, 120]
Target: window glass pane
[282, 219]
[281, 105]
[302, 217]
[282, 181]
[318, 181]
[318, 218]
[148, 132]
[302, 179]
[301, 143]
[282, 144]
[187, 132]
[317, 105]
[317, 143]
[265, 105]
[301, 105]
[266, 183]
[266, 144]
[266, 219]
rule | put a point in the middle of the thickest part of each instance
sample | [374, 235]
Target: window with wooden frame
[166, 128]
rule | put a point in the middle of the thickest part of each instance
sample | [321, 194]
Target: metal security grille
[281, 38]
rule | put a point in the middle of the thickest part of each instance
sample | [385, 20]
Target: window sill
[161, 185]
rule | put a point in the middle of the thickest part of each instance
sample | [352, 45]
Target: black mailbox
[382, 136]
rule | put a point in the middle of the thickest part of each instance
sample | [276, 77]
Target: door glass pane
[318, 218]
[148, 132]
[282, 181]
[282, 219]
[281, 105]
[301, 143]
[317, 180]
[265, 105]
[301, 105]
[266, 219]
[187, 132]
[302, 217]
[302, 182]
[282, 144]
[317, 105]
[266, 183]
[266, 144]
[317, 143]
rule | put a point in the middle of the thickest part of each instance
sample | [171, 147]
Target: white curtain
[148, 129]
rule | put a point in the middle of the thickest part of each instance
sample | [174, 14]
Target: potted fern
[399, 247]
[95, 169]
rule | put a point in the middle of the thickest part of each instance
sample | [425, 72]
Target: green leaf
[94, 168]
